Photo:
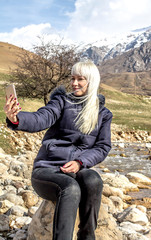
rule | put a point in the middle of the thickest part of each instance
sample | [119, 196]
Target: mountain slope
[103, 51]
[134, 83]
[8, 56]
[135, 60]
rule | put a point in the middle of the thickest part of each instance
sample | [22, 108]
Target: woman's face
[79, 85]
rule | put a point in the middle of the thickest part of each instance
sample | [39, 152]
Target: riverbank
[125, 212]
[121, 216]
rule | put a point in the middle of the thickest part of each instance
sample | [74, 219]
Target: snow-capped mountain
[110, 47]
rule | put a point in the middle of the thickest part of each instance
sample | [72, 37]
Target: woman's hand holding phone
[11, 107]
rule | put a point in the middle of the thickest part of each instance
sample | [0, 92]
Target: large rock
[5, 205]
[136, 178]
[119, 181]
[133, 215]
[112, 191]
[19, 222]
[107, 227]
[13, 198]
[41, 225]
[4, 223]
[42, 222]
[30, 199]
[20, 235]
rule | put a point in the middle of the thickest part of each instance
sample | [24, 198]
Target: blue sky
[19, 13]
[89, 21]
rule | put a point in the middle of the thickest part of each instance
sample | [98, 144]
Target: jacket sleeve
[102, 146]
[42, 119]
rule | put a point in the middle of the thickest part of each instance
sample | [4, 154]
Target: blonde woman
[78, 137]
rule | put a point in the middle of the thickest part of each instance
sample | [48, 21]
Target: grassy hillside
[129, 82]
[131, 111]
[8, 56]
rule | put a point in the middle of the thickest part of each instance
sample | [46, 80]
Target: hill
[129, 82]
[8, 56]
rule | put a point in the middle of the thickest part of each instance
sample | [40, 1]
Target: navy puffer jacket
[63, 142]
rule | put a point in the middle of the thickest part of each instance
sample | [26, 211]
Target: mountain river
[130, 157]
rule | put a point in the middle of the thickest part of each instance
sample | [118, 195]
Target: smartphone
[10, 90]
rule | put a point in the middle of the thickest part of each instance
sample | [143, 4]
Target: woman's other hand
[72, 166]
[12, 108]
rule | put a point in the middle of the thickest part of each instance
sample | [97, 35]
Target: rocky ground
[23, 215]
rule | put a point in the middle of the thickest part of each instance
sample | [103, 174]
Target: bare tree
[48, 66]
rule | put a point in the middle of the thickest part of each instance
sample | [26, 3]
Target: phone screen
[10, 90]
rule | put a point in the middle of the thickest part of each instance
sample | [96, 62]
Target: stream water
[129, 157]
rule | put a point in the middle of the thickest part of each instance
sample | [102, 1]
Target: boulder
[112, 191]
[20, 235]
[42, 223]
[4, 223]
[30, 199]
[12, 198]
[136, 178]
[133, 215]
[5, 205]
[107, 228]
[119, 181]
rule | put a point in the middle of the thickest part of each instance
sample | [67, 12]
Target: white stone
[121, 145]
[119, 181]
[10, 188]
[148, 145]
[3, 168]
[142, 208]
[118, 203]
[138, 178]
[19, 222]
[1, 190]
[5, 205]
[2, 238]
[2, 151]
[133, 227]
[18, 211]
[32, 211]
[133, 215]
[130, 235]
[13, 198]
[112, 191]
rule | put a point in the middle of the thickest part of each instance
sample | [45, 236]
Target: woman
[78, 137]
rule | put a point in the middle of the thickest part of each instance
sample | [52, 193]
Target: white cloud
[94, 18]
[29, 35]
[91, 21]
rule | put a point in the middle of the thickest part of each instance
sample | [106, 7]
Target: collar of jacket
[62, 91]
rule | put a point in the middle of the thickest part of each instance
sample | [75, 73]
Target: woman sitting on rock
[78, 137]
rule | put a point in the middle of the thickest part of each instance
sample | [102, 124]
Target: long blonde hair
[87, 118]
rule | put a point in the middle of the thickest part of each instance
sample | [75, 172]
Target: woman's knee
[73, 191]
[90, 179]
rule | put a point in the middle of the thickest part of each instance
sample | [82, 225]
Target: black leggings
[83, 191]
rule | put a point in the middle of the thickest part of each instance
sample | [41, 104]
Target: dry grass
[9, 56]
[131, 111]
